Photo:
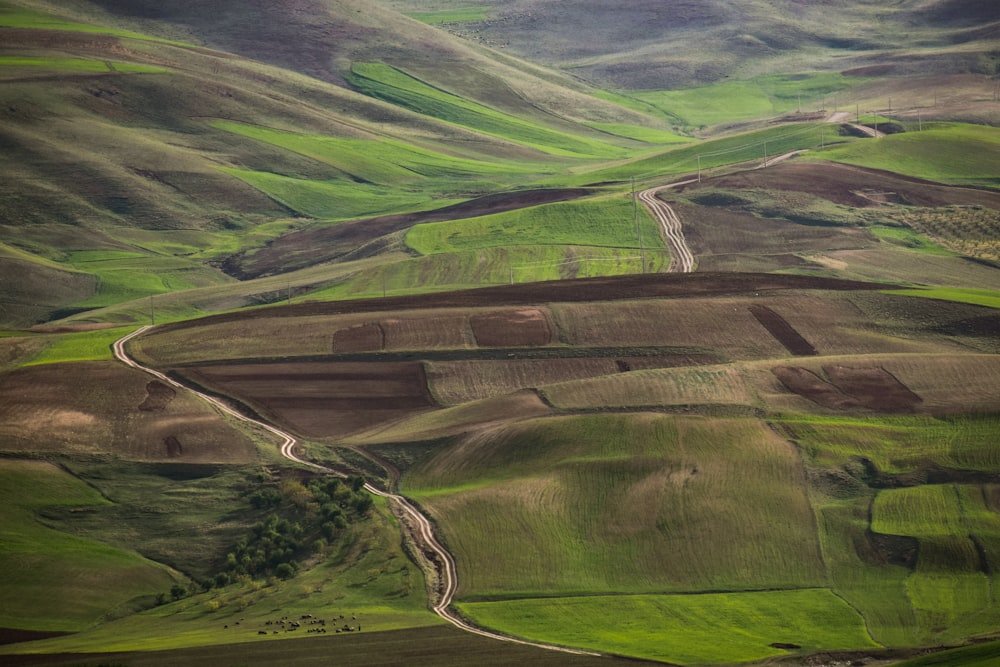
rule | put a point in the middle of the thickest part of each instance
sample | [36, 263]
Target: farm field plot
[950, 586]
[685, 629]
[125, 414]
[554, 506]
[322, 399]
[704, 323]
[830, 323]
[724, 240]
[681, 387]
[942, 383]
[457, 382]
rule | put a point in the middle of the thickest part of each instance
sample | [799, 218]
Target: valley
[675, 342]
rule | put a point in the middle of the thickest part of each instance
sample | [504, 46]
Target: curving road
[681, 258]
[421, 529]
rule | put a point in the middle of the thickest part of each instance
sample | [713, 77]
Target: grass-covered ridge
[948, 153]
[759, 97]
[394, 85]
[46, 565]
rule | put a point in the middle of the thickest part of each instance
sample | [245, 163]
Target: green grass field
[758, 97]
[603, 223]
[78, 65]
[900, 444]
[87, 577]
[84, 346]
[396, 86]
[947, 153]
[457, 15]
[707, 629]
[712, 154]
[554, 503]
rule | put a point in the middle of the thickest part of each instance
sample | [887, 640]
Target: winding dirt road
[422, 532]
[681, 258]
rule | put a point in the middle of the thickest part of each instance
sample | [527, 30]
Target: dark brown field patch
[807, 384]
[158, 397]
[852, 186]
[876, 388]
[526, 327]
[323, 399]
[873, 388]
[368, 337]
[782, 331]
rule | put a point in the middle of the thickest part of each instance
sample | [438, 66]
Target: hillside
[125, 148]
[385, 333]
[647, 45]
[772, 442]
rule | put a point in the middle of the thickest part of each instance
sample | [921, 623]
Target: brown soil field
[367, 337]
[433, 331]
[393, 370]
[350, 239]
[724, 240]
[106, 408]
[872, 388]
[785, 333]
[321, 399]
[850, 185]
[722, 325]
[527, 327]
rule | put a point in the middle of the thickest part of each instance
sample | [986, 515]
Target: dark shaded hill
[655, 45]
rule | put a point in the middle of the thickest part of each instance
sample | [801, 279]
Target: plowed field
[322, 399]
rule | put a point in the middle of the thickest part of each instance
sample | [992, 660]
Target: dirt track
[681, 259]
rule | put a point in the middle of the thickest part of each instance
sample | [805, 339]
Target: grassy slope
[608, 467]
[562, 495]
[43, 564]
[370, 578]
[947, 153]
[118, 167]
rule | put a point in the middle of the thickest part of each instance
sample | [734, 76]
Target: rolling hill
[411, 236]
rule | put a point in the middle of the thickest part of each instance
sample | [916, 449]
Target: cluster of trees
[303, 519]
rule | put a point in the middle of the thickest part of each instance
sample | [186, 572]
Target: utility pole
[920, 125]
[699, 169]
[289, 292]
[152, 312]
[857, 113]
[765, 153]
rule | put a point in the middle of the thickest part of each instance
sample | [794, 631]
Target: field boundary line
[424, 528]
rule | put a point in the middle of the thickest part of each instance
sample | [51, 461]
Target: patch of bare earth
[782, 331]
[526, 327]
[368, 337]
[852, 186]
[322, 399]
[848, 388]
